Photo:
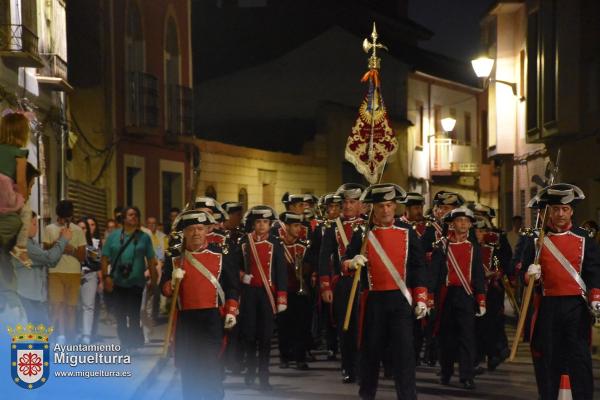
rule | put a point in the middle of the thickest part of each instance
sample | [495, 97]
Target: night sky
[455, 24]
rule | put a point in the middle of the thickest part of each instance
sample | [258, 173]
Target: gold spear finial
[374, 61]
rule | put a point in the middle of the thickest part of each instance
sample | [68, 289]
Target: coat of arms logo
[30, 355]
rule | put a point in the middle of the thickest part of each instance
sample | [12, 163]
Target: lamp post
[483, 68]
[448, 124]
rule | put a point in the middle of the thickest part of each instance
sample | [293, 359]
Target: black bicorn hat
[459, 212]
[330, 198]
[290, 198]
[350, 191]
[218, 213]
[444, 197]
[193, 217]
[482, 209]
[557, 194]
[414, 199]
[232, 206]
[291, 218]
[381, 192]
[256, 213]
[482, 222]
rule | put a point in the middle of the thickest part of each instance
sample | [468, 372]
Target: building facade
[132, 104]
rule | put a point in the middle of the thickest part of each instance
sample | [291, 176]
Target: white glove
[246, 279]
[281, 308]
[358, 261]
[230, 321]
[420, 310]
[481, 312]
[178, 274]
[596, 308]
[534, 271]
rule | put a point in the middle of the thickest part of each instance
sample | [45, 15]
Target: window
[522, 74]
[420, 130]
[467, 137]
[549, 60]
[437, 115]
[171, 78]
[243, 197]
[532, 72]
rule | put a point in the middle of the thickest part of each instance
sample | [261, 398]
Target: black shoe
[265, 386]
[249, 380]
[302, 366]
[331, 356]
[349, 379]
[444, 380]
[284, 365]
[431, 363]
[468, 384]
[479, 370]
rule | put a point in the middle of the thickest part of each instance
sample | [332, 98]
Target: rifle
[531, 283]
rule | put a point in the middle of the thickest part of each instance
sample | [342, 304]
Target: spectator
[127, 250]
[94, 231]
[173, 213]
[32, 283]
[90, 274]
[159, 239]
[64, 280]
[513, 235]
[118, 215]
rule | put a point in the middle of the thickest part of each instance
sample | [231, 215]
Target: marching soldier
[459, 281]
[264, 290]
[233, 224]
[332, 209]
[295, 203]
[567, 290]
[335, 286]
[413, 212]
[396, 283]
[209, 283]
[217, 234]
[294, 323]
[491, 337]
[443, 203]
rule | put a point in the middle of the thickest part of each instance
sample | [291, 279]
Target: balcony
[53, 75]
[19, 46]
[142, 102]
[179, 116]
[440, 156]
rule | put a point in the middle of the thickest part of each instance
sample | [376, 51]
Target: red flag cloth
[372, 140]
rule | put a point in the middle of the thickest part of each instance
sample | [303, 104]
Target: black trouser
[561, 341]
[348, 339]
[329, 327]
[201, 335]
[457, 333]
[419, 336]
[431, 341]
[388, 329]
[127, 303]
[294, 328]
[257, 329]
[494, 335]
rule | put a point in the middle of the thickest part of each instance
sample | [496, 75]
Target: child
[14, 193]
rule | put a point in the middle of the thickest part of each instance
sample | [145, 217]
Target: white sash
[565, 263]
[261, 272]
[390, 267]
[207, 274]
[461, 277]
[342, 232]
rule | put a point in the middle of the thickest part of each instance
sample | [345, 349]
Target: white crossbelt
[207, 274]
[340, 227]
[390, 267]
[461, 276]
[565, 263]
[261, 272]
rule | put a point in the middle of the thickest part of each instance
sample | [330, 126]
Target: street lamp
[448, 124]
[483, 68]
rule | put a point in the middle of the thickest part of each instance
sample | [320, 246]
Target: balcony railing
[17, 41]
[441, 155]
[179, 111]
[54, 73]
[142, 100]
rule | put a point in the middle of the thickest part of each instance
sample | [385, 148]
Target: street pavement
[513, 381]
